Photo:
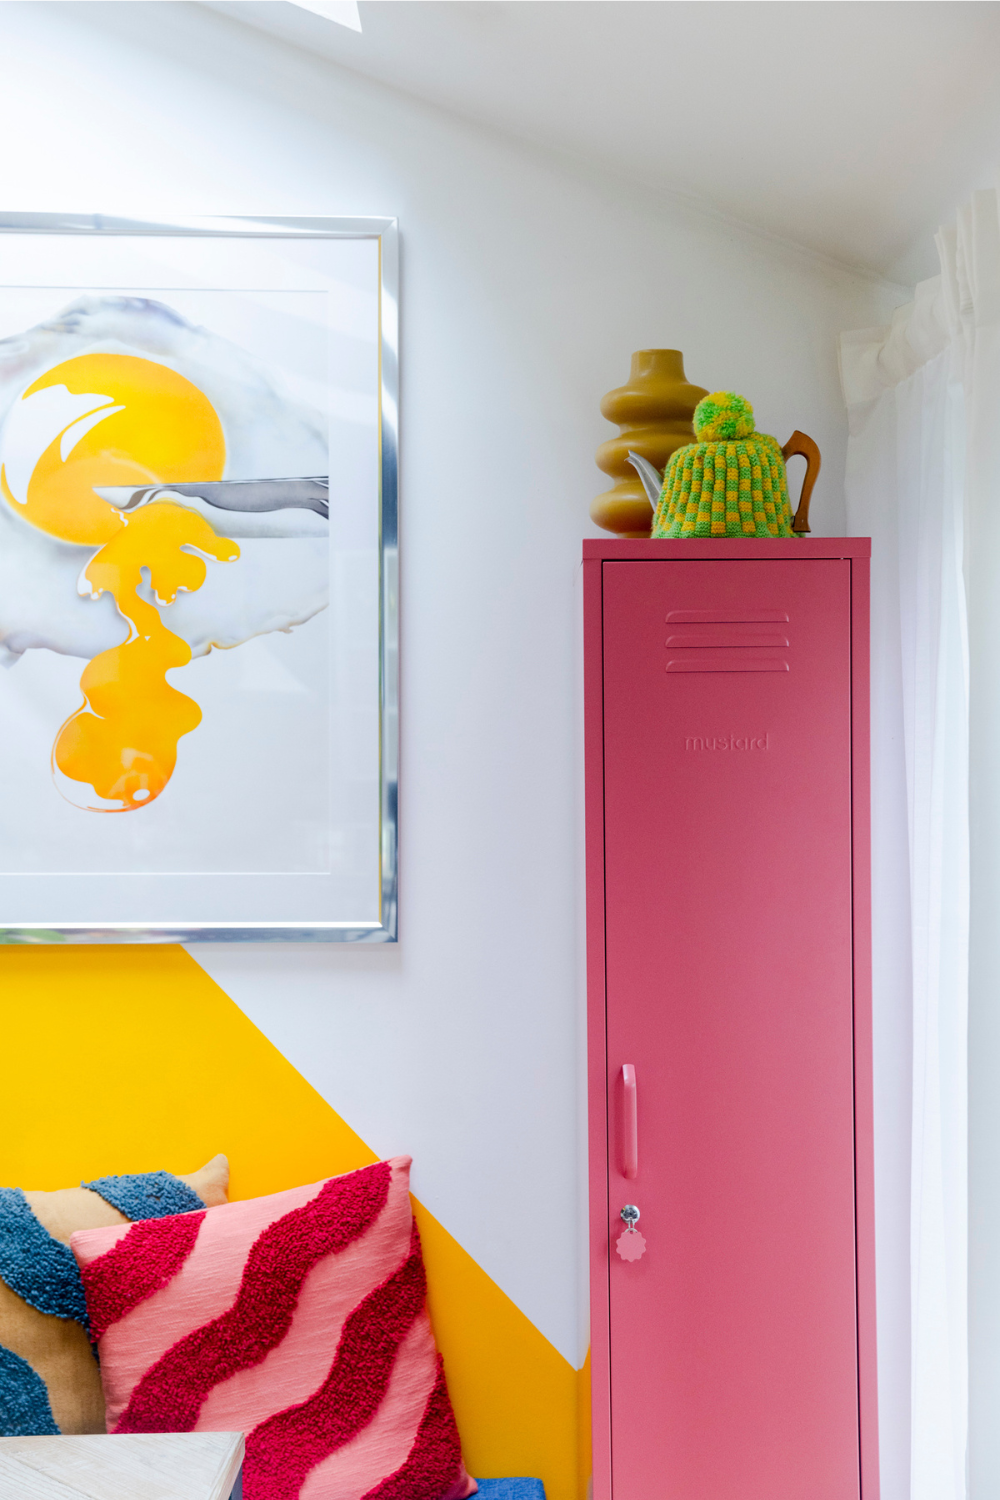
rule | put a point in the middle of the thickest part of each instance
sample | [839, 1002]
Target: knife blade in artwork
[254, 495]
[241, 508]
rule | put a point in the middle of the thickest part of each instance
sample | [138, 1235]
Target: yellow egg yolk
[159, 429]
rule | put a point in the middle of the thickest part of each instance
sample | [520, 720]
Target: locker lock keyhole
[630, 1243]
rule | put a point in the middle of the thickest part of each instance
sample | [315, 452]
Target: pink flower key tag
[630, 1244]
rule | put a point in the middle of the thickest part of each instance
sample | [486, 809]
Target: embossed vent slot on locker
[727, 640]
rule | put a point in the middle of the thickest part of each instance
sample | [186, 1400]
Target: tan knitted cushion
[49, 1378]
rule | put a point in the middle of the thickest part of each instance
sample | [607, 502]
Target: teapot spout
[652, 480]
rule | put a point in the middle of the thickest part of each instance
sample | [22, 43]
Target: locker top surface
[677, 549]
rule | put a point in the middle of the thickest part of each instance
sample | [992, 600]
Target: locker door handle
[630, 1123]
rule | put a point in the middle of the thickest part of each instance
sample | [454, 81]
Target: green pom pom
[723, 417]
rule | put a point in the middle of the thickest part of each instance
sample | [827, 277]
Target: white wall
[526, 285]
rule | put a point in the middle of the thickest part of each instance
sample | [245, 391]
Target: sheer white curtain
[924, 481]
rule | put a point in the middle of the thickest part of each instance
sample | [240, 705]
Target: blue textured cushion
[511, 1489]
[147, 1195]
[38, 1268]
[42, 1271]
[24, 1401]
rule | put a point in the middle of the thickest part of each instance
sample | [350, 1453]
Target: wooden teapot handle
[797, 444]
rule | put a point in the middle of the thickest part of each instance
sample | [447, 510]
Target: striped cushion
[299, 1319]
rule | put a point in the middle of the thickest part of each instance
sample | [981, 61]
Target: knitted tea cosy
[731, 482]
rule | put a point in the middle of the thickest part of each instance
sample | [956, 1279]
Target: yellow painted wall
[129, 1059]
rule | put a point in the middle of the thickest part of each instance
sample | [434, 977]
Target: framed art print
[198, 579]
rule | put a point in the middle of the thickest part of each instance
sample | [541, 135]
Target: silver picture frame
[386, 232]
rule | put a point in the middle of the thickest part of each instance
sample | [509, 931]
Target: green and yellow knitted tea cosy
[731, 482]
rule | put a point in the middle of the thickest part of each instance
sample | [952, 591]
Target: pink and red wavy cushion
[298, 1319]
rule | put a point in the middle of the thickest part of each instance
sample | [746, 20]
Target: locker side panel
[863, 1073]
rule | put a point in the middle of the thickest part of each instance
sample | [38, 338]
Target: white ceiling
[853, 127]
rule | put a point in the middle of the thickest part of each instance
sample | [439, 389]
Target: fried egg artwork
[160, 496]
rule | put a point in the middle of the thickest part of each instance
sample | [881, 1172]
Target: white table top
[157, 1466]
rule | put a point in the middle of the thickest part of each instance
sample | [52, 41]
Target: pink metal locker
[729, 1019]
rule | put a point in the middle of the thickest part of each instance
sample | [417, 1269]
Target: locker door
[729, 990]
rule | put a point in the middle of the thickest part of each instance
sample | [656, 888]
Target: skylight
[344, 12]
